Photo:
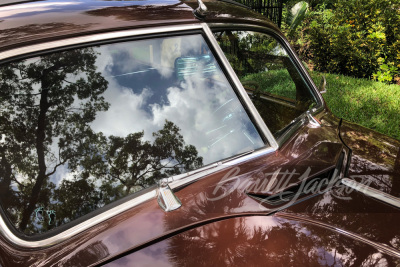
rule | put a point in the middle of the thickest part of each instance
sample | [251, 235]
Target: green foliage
[296, 15]
[386, 71]
[246, 52]
[352, 37]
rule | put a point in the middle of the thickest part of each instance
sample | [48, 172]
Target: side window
[268, 75]
[83, 128]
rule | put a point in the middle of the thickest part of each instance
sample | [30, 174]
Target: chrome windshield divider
[242, 92]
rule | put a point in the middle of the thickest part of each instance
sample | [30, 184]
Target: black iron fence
[272, 9]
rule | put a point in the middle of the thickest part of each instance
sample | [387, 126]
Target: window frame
[303, 118]
[83, 223]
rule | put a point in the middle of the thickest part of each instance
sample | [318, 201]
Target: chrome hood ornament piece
[166, 198]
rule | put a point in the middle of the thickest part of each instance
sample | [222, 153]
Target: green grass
[278, 82]
[374, 105]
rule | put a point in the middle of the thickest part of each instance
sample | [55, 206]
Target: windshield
[83, 128]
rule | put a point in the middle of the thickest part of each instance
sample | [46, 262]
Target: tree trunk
[40, 150]
[5, 176]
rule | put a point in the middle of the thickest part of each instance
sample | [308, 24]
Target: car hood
[339, 225]
[375, 161]
[279, 240]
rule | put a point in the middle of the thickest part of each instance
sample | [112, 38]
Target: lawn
[374, 105]
[278, 82]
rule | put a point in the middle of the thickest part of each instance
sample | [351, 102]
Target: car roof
[30, 22]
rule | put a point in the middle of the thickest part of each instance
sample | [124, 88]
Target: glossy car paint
[244, 231]
[49, 20]
[202, 204]
[276, 240]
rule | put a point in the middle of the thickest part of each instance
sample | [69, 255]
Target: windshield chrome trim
[372, 192]
[177, 181]
[242, 92]
[191, 177]
[6, 232]
[94, 38]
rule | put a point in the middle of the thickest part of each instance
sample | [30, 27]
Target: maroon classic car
[179, 133]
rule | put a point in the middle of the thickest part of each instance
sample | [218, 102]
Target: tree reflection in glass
[85, 127]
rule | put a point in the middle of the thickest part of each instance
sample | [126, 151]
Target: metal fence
[272, 9]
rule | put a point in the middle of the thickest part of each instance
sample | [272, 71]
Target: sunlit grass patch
[374, 105]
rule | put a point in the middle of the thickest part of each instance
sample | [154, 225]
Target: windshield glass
[83, 128]
[272, 80]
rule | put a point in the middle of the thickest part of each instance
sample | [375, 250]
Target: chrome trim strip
[260, 122]
[177, 181]
[372, 192]
[5, 231]
[379, 246]
[95, 38]
[185, 179]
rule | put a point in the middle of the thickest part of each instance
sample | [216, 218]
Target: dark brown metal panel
[376, 158]
[258, 241]
[349, 210]
[223, 195]
[375, 162]
[217, 196]
[44, 20]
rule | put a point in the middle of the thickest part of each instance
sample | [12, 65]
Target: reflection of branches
[134, 162]
[37, 111]
[55, 167]
[16, 181]
[123, 165]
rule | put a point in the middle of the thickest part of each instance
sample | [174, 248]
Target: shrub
[356, 37]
